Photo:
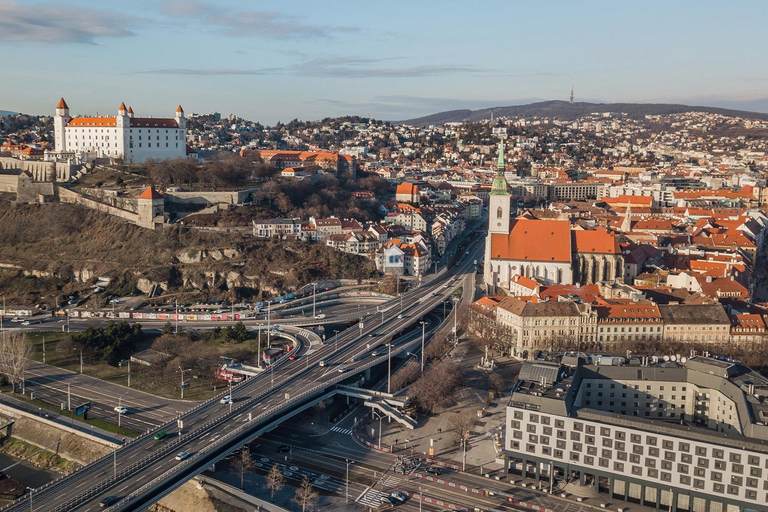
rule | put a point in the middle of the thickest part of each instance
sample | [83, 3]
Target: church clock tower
[500, 200]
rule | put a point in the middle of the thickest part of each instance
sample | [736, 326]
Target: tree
[243, 464]
[15, 353]
[461, 424]
[275, 480]
[495, 383]
[306, 496]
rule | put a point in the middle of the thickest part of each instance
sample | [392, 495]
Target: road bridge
[144, 470]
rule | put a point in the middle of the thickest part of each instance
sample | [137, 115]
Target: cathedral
[549, 251]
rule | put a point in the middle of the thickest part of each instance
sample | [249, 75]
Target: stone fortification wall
[209, 198]
[41, 171]
[68, 196]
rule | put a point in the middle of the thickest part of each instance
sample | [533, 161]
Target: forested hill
[565, 111]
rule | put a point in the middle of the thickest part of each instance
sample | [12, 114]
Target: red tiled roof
[180, 110]
[153, 122]
[533, 240]
[92, 121]
[407, 189]
[62, 104]
[151, 193]
[598, 240]
[122, 106]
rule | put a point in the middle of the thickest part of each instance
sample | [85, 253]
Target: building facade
[132, 139]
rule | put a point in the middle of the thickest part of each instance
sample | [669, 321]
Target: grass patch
[42, 459]
[95, 422]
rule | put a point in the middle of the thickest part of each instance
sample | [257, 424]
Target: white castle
[134, 139]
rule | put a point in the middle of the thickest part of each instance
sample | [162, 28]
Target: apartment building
[695, 323]
[690, 434]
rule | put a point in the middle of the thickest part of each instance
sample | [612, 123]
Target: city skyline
[278, 62]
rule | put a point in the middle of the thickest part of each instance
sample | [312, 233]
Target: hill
[7, 113]
[565, 111]
[60, 249]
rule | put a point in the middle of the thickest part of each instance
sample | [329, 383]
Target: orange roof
[92, 121]
[122, 106]
[598, 240]
[180, 109]
[633, 200]
[62, 104]
[407, 189]
[533, 240]
[151, 193]
[130, 110]
[588, 292]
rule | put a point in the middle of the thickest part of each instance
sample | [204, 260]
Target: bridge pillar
[367, 375]
[347, 399]
[213, 467]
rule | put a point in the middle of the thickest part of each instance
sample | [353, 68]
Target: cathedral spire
[626, 225]
[501, 166]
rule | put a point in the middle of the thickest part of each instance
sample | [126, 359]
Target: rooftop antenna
[571, 92]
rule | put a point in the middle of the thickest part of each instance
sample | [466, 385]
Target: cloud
[269, 24]
[54, 23]
[340, 67]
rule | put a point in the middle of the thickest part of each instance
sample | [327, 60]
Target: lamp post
[43, 349]
[258, 354]
[181, 370]
[2, 330]
[230, 394]
[455, 316]
[314, 299]
[119, 412]
[177, 316]
[81, 360]
[379, 417]
[389, 367]
[423, 331]
[346, 493]
[336, 338]
[419, 498]
[269, 331]
[361, 326]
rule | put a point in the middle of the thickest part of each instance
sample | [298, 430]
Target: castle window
[499, 212]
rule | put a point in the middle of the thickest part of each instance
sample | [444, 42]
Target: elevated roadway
[145, 469]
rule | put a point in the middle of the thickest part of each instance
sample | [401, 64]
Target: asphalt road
[147, 468]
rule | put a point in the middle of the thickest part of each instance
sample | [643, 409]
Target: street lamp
[389, 367]
[361, 326]
[314, 299]
[379, 416]
[346, 495]
[181, 370]
[258, 354]
[419, 498]
[269, 330]
[423, 330]
[336, 338]
[455, 316]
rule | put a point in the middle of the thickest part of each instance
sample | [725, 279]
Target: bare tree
[306, 496]
[495, 383]
[461, 424]
[15, 354]
[275, 481]
[243, 464]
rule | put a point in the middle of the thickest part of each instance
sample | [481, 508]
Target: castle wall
[68, 196]
[40, 171]
[209, 198]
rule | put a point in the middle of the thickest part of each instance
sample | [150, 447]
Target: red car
[291, 357]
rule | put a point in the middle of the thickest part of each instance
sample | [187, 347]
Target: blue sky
[270, 61]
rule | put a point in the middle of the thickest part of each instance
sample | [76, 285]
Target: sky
[272, 61]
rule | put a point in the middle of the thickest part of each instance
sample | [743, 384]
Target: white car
[227, 399]
[320, 316]
[182, 455]
[342, 369]
[121, 410]
[400, 316]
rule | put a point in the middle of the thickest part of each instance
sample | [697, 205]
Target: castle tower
[60, 121]
[151, 205]
[626, 224]
[180, 119]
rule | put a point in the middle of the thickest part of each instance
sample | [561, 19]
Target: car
[342, 369]
[160, 435]
[372, 335]
[322, 363]
[182, 455]
[399, 496]
[320, 316]
[291, 357]
[16, 320]
[121, 410]
[389, 500]
[374, 353]
[400, 316]
[225, 400]
[109, 501]
[283, 448]
[434, 471]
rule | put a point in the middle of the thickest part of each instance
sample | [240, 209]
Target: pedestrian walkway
[345, 431]
[371, 498]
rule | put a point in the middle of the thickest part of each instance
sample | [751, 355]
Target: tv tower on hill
[571, 93]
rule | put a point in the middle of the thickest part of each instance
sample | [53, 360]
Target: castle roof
[122, 106]
[151, 193]
[62, 104]
[179, 109]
